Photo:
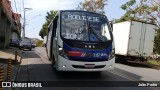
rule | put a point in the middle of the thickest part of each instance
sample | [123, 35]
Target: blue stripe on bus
[95, 54]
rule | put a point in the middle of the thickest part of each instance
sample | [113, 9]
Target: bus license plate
[89, 66]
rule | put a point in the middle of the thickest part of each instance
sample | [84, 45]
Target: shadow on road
[30, 54]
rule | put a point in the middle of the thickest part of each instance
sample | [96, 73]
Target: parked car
[25, 45]
[14, 42]
[33, 45]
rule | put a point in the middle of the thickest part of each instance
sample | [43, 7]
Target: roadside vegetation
[154, 62]
[39, 43]
[44, 30]
[93, 6]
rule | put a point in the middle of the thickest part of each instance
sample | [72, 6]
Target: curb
[17, 69]
[11, 68]
[157, 67]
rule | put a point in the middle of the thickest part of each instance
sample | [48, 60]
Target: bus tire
[53, 60]
[117, 59]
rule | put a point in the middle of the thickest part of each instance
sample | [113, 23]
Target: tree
[39, 43]
[147, 11]
[50, 15]
[157, 42]
[44, 30]
[93, 6]
[129, 11]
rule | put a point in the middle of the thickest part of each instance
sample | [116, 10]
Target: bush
[39, 43]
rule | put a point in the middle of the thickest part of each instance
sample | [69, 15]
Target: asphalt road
[35, 66]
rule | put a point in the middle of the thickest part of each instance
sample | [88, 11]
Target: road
[35, 66]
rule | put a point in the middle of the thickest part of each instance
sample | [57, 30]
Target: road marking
[131, 79]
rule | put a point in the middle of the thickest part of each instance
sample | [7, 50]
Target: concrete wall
[2, 38]
[15, 36]
[7, 21]
[7, 34]
[5, 30]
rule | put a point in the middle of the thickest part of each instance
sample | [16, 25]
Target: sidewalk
[10, 53]
[7, 54]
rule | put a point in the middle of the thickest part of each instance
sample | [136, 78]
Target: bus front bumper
[68, 65]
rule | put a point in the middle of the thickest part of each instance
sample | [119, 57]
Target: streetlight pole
[23, 35]
[24, 22]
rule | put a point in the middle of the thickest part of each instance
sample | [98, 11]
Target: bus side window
[55, 26]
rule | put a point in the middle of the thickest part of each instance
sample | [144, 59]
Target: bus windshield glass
[85, 26]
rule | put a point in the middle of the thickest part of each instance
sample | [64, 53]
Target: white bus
[80, 41]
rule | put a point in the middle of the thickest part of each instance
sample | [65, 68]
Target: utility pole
[23, 35]
[24, 22]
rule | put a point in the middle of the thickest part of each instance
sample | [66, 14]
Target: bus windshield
[84, 26]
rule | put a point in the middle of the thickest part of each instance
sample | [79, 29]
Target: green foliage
[93, 6]
[50, 15]
[128, 4]
[153, 62]
[44, 30]
[157, 42]
[146, 10]
[39, 43]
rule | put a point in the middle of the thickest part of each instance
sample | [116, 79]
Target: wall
[14, 35]
[6, 22]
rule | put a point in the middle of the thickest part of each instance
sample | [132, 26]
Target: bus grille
[83, 67]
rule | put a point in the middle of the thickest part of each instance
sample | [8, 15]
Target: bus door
[54, 40]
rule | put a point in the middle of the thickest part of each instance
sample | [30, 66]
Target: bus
[80, 41]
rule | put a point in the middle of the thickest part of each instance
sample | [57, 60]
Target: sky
[35, 18]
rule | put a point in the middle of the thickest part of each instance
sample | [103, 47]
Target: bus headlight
[112, 54]
[62, 52]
